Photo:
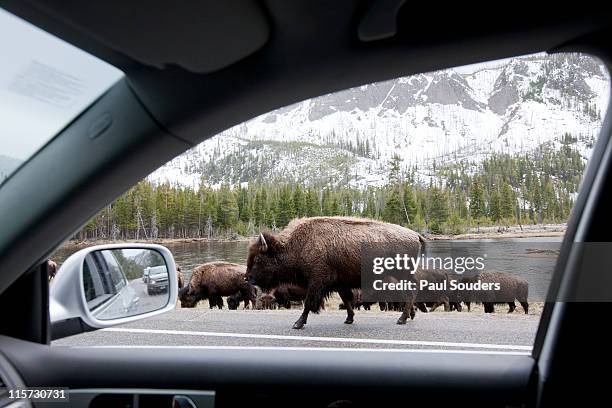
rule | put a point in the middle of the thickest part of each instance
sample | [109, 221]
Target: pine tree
[508, 202]
[393, 212]
[299, 204]
[312, 203]
[286, 211]
[227, 211]
[536, 203]
[438, 209]
[477, 202]
[495, 206]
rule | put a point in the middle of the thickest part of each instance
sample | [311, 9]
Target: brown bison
[51, 270]
[284, 294]
[434, 298]
[213, 280]
[268, 301]
[234, 300]
[323, 255]
[357, 302]
[511, 288]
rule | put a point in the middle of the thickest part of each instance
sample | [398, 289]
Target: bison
[511, 288]
[234, 300]
[357, 302]
[284, 294]
[51, 270]
[213, 280]
[434, 298]
[268, 301]
[323, 255]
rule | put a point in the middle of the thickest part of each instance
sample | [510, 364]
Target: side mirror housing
[107, 285]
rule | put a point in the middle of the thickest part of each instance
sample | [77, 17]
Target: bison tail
[422, 241]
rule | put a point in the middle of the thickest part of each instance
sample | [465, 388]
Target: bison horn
[262, 243]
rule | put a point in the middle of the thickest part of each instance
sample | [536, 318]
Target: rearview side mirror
[107, 285]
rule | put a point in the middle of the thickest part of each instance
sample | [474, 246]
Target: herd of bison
[315, 257]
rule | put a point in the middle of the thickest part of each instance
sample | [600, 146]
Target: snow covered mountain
[449, 116]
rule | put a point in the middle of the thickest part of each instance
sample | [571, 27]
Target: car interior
[194, 69]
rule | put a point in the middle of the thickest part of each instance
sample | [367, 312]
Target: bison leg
[409, 306]
[456, 306]
[488, 307]
[408, 311]
[422, 307]
[468, 304]
[248, 296]
[299, 323]
[525, 306]
[216, 301]
[347, 298]
[312, 303]
[212, 301]
[511, 307]
[382, 306]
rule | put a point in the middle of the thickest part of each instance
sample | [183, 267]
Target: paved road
[201, 327]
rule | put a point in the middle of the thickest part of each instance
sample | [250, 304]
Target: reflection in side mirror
[106, 285]
[124, 282]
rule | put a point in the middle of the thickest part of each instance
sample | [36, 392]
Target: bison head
[188, 297]
[263, 264]
[233, 302]
[268, 301]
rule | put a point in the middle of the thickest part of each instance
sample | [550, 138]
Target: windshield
[478, 166]
[44, 84]
[157, 271]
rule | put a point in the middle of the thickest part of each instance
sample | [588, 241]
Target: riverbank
[161, 241]
[489, 232]
[514, 231]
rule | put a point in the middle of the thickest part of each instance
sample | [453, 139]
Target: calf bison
[268, 302]
[357, 302]
[434, 298]
[213, 280]
[234, 300]
[284, 294]
[323, 255]
[511, 288]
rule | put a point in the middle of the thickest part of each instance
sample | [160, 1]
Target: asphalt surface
[146, 302]
[200, 327]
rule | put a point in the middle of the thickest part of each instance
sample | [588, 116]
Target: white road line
[321, 339]
[352, 350]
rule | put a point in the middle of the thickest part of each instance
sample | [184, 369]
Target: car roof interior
[194, 69]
